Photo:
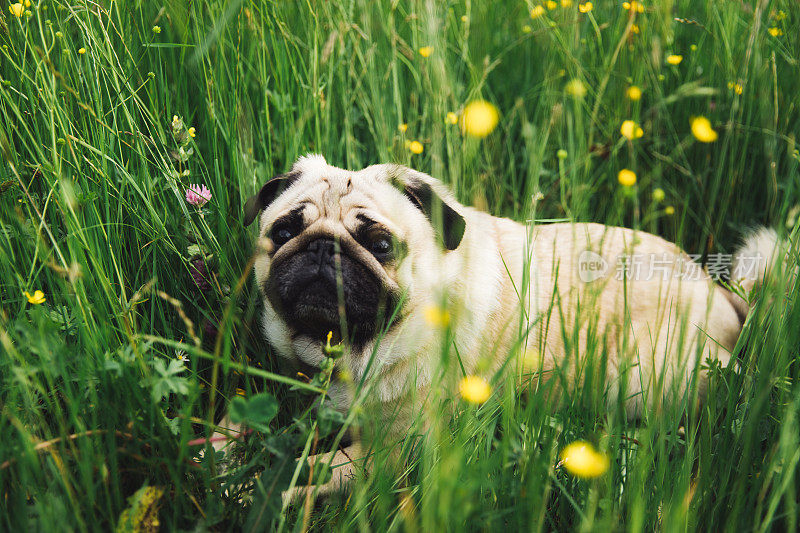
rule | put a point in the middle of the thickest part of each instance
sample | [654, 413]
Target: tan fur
[641, 321]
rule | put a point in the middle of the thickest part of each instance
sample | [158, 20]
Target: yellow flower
[631, 130]
[566, 3]
[693, 47]
[775, 32]
[436, 316]
[192, 132]
[402, 127]
[635, 29]
[17, 9]
[537, 11]
[669, 210]
[531, 360]
[474, 389]
[585, 8]
[416, 147]
[674, 59]
[575, 88]
[551, 4]
[156, 29]
[426, 51]
[81, 51]
[27, 3]
[633, 6]
[526, 28]
[582, 460]
[633, 93]
[334, 351]
[781, 15]
[659, 194]
[702, 130]
[479, 118]
[626, 178]
[735, 87]
[36, 298]
[451, 118]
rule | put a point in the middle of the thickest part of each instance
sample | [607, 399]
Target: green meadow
[145, 331]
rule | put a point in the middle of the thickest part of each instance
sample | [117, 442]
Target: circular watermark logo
[591, 266]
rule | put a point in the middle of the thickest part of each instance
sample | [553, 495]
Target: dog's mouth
[315, 308]
[319, 290]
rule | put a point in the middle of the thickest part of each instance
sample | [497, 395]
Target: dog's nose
[323, 251]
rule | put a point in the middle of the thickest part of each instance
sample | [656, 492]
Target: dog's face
[347, 251]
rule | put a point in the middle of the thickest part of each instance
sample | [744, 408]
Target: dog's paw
[298, 495]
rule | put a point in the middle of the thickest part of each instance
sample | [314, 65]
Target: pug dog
[372, 255]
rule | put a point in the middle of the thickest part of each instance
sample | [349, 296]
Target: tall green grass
[95, 403]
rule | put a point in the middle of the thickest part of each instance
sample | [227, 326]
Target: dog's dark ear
[445, 220]
[259, 201]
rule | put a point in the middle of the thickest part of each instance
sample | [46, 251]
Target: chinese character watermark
[665, 266]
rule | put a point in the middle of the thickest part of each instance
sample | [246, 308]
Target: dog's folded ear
[447, 222]
[259, 201]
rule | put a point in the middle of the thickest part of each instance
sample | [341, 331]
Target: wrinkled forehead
[326, 191]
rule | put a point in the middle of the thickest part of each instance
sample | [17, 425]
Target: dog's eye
[381, 247]
[281, 236]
